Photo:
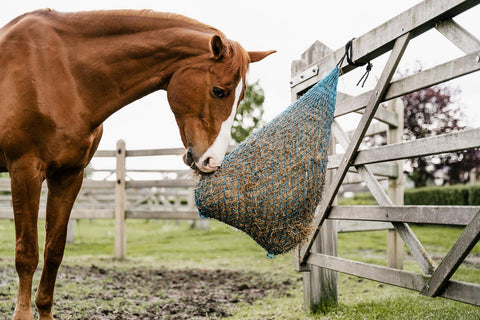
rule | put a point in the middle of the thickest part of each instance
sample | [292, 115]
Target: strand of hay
[270, 185]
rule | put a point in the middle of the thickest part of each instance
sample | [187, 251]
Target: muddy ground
[96, 293]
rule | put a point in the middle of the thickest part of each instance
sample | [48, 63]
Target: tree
[249, 113]
[430, 112]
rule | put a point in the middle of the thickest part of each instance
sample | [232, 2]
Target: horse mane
[149, 13]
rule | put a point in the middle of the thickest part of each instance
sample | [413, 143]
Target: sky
[289, 27]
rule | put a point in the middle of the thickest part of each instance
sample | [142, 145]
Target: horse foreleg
[26, 184]
[62, 192]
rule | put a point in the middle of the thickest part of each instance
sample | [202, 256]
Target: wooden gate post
[71, 231]
[120, 198]
[320, 284]
[396, 187]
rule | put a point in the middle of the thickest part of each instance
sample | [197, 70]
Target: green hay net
[270, 184]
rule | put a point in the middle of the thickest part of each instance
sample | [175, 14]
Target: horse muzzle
[207, 165]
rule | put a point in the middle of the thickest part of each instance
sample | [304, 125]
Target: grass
[177, 246]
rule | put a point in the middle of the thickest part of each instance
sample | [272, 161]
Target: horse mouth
[205, 169]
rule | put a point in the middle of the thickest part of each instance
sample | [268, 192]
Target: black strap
[348, 55]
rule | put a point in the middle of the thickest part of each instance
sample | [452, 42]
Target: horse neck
[119, 59]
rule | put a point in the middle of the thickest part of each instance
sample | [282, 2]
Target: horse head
[204, 94]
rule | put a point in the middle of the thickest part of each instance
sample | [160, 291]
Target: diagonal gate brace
[453, 259]
[372, 106]
[424, 260]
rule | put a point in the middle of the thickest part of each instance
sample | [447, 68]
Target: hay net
[270, 184]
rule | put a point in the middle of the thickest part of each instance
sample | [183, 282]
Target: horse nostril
[206, 162]
[188, 157]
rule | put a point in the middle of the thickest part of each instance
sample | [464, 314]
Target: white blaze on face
[218, 149]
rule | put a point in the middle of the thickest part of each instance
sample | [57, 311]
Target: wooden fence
[125, 198]
[318, 257]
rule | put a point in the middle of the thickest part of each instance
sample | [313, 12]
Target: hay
[270, 185]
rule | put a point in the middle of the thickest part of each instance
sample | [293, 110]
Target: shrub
[474, 195]
[444, 195]
[456, 195]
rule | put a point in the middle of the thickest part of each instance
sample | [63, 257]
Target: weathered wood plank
[5, 184]
[460, 37]
[161, 183]
[98, 184]
[81, 213]
[385, 116]
[430, 77]
[404, 279]
[450, 263]
[461, 140]
[161, 171]
[320, 284]
[352, 104]
[389, 170]
[463, 292]
[380, 40]
[357, 226]
[120, 201]
[87, 184]
[443, 215]
[177, 214]
[321, 288]
[104, 154]
[373, 129]
[454, 290]
[156, 152]
[396, 186]
[382, 84]
[427, 78]
[354, 178]
[7, 213]
[161, 152]
[93, 213]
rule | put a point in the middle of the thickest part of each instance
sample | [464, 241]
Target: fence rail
[317, 258]
[123, 198]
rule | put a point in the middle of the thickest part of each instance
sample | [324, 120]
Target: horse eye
[219, 92]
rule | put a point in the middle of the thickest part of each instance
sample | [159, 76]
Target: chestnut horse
[63, 74]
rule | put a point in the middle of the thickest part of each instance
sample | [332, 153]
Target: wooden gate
[317, 257]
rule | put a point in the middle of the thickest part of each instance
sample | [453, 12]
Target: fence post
[320, 284]
[71, 231]
[396, 187]
[120, 196]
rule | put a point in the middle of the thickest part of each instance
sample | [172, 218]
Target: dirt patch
[97, 293]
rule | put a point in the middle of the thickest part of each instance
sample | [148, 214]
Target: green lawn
[177, 246]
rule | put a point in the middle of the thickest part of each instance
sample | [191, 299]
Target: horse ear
[216, 46]
[256, 56]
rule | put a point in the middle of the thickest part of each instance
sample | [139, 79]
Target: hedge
[444, 195]
[474, 195]
[456, 195]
